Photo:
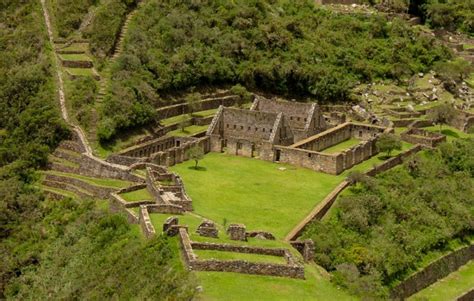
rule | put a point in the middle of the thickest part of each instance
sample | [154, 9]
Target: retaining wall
[433, 272]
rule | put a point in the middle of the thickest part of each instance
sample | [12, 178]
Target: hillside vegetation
[60, 249]
[385, 228]
[287, 47]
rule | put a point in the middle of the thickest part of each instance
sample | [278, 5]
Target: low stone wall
[238, 249]
[245, 267]
[420, 136]
[77, 64]
[420, 124]
[145, 222]
[125, 160]
[165, 208]
[390, 163]
[74, 77]
[98, 191]
[400, 123]
[92, 167]
[318, 212]
[67, 187]
[433, 272]
[118, 202]
[205, 104]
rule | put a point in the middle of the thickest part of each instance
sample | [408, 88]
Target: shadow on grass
[450, 133]
[199, 168]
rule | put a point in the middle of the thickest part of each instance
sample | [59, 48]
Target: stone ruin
[264, 235]
[170, 226]
[237, 232]
[208, 229]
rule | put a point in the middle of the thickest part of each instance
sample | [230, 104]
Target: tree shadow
[199, 168]
[384, 157]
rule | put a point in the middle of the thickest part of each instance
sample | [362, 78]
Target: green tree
[195, 153]
[388, 143]
[442, 114]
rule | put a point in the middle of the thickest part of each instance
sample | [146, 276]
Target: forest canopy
[288, 47]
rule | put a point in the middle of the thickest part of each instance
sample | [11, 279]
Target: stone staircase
[105, 80]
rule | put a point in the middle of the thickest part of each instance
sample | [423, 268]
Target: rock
[282, 168]
[421, 74]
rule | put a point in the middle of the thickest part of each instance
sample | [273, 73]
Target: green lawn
[174, 119]
[75, 57]
[212, 254]
[450, 132]
[137, 195]
[188, 131]
[342, 146]
[241, 287]
[76, 47]
[450, 287]
[205, 113]
[254, 192]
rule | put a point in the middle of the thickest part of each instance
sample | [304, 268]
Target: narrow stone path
[62, 99]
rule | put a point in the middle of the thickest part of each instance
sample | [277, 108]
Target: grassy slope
[450, 132]
[449, 287]
[254, 192]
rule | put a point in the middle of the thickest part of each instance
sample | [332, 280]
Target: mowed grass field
[450, 287]
[262, 195]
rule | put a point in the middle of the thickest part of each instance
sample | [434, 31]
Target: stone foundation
[420, 136]
[292, 269]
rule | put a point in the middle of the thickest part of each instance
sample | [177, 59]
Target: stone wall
[468, 296]
[205, 104]
[345, 2]
[420, 136]
[98, 191]
[307, 153]
[90, 166]
[77, 64]
[397, 160]
[145, 222]
[238, 249]
[433, 272]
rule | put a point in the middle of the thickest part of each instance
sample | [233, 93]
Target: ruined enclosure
[309, 152]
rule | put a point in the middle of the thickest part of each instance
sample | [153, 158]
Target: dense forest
[453, 15]
[288, 47]
[60, 249]
[386, 226]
